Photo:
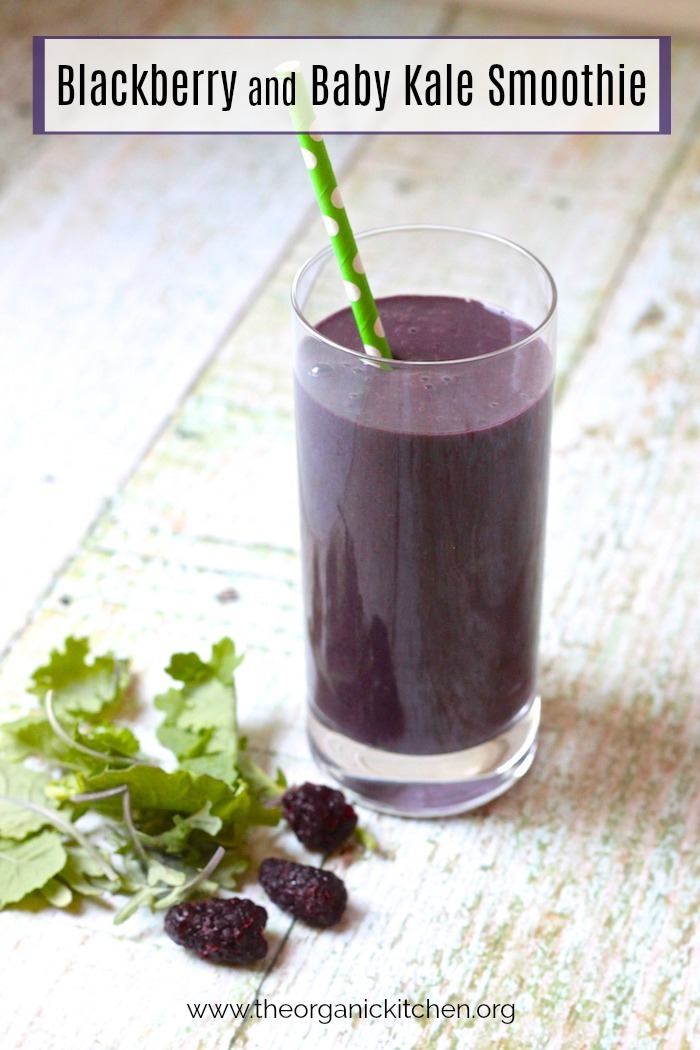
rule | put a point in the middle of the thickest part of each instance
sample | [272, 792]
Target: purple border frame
[39, 85]
[664, 85]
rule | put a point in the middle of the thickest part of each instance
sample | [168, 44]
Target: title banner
[375, 85]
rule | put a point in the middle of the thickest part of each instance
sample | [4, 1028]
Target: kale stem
[66, 738]
[206, 871]
[133, 833]
[180, 893]
[97, 796]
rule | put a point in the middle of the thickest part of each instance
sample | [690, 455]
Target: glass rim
[325, 253]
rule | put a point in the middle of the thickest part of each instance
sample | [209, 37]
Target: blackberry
[315, 896]
[223, 931]
[319, 816]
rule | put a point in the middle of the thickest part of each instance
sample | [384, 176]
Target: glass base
[428, 785]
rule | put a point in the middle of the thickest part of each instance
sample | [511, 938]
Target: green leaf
[81, 687]
[184, 743]
[366, 839]
[33, 736]
[24, 785]
[191, 815]
[83, 874]
[157, 796]
[27, 866]
[175, 839]
[152, 788]
[200, 725]
[160, 874]
[109, 738]
[191, 669]
[57, 893]
[63, 789]
[29, 735]
[145, 895]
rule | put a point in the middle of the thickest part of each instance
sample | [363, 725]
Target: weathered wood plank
[576, 895]
[571, 895]
[123, 262]
[679, 17]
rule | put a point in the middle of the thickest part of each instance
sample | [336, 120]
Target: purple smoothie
[423, 499]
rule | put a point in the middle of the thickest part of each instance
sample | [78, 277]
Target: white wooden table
[147, 468]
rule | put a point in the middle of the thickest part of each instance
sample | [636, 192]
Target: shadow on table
[610, 755]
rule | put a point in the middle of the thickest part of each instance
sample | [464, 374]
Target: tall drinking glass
[423, 492]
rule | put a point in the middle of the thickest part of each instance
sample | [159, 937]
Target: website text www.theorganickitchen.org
[365, 1010]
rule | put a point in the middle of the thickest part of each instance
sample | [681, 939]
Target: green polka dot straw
[335, 217]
